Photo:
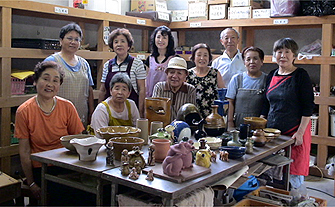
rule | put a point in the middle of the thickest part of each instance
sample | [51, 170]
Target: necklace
[53, 106]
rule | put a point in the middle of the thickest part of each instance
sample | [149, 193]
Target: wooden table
[169, 191]
[10, 188]
[64, 158]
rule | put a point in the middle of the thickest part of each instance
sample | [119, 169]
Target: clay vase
[215, 124]
[234, 141]
[259, 138]
[249, 146]
[143, 124]
[162, 148]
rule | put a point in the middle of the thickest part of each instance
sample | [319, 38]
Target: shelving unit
[246, 27]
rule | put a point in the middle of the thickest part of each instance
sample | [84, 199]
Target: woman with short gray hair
[117, 109]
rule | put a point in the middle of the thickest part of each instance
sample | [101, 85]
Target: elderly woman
[116, 110]
[42, 120]
[78, 82]
[246, 90]
[290, 103]
[204, 78]
[162, 50]
[120, 41]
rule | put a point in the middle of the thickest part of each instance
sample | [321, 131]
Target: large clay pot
[215, 124]
[158, 109]
[190, 114]
[162, 148]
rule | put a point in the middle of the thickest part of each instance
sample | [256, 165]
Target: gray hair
[226, 30]
[120, 78]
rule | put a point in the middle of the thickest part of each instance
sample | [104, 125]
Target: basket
[314, 124]
[18, 86]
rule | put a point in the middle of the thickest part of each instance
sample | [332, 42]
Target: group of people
[64, 102]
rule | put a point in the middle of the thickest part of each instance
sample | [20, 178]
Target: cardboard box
[148, 5]
[242, 12]
[254, 4]
[218, 11]
[218, 2]
[261, 13]
[179, 15]
[197, 10]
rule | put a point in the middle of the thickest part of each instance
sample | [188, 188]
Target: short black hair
[42, 66]
[68, 28]
[197, 47]
[287, 43]
[255, 49]
[117, 32]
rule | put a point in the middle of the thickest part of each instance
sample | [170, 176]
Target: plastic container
[247, 187]
[18, 86]
[314, 124]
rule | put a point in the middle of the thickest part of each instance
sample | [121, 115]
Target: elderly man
[230, 62]
[175, 87]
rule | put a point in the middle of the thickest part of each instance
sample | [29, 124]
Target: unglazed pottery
[162, 147]
[121, 143]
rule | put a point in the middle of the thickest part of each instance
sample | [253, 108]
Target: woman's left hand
[299, 138]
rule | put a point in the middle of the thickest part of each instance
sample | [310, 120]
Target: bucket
[332, 125]
[250, 185]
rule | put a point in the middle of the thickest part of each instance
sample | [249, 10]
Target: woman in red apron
[289, 105]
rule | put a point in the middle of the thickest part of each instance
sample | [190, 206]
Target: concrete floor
[321, 188]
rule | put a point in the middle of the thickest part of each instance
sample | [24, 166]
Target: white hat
[177, 63]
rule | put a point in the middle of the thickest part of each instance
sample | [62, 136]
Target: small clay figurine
[173, 163]
[125, 170]
[203, 158]
[169, 129]
[213, 156]
[124, 156]
[110, 154]
[136, 156]
[150, 175]
[151, 156]
[202, 144]
[188, 158]
[133, 174]
[224, 156]
[137, 166]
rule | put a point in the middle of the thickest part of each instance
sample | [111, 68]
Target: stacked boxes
[197, 10]
[218, 9]
[242, 9]
[148, 5]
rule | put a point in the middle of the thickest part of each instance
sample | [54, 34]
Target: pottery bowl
[255, 122]
[234, 152]
[121, 143]
[213, 142]
[87, 148]
[65, 140]
[118, 131]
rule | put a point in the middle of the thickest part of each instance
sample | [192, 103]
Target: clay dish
[255, 122]
[65, 140]
[118, 131]
[121, 143]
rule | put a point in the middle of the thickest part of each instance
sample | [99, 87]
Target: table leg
[167, 202]
[43, 185]
[287, 171]
[99, 195]
[114, 191]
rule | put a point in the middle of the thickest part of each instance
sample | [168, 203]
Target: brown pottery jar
[215, 124]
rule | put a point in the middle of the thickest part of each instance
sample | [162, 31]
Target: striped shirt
[186, 94]
[137, 70]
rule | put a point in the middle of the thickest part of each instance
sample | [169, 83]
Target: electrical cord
[321, 191]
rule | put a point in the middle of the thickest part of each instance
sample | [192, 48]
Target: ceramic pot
[190, 114]
[161, 134]
[121, 143]
[215, 124]
[143, 125]
[158, 109]
[154, 126]
[181, 129]
[87, 148]
[234, 141]
[259, 138]
[162, 148]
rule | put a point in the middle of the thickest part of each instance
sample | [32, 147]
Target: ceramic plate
[272, 130]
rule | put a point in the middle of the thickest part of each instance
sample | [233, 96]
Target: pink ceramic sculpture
[173, 163]
[187, 159]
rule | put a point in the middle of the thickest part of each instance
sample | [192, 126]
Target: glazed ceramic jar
[215, 124]
[259, 138]
[234, 141]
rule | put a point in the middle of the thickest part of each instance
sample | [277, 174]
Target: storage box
[252, 3]
[18, 86]
[179, 15]
[197, 10]
[148, 5]
[217, 2]
[218, 11]
[243, 12]
[261, 13]
[249, 202]
[153, 15]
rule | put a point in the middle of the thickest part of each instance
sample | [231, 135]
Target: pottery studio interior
[155, 115]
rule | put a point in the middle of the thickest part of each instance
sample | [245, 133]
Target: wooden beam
[6, 24]
[145, 40]
[9, 151]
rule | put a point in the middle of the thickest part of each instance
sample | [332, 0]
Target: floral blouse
[206, 91]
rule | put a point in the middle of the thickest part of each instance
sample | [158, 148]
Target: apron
[133, 95]
[248, 102]
[284, 114]
[119, 122]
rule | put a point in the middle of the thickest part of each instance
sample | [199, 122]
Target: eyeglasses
[73, 39]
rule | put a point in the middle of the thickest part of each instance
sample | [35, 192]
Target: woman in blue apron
[246, 90]
[289, 105]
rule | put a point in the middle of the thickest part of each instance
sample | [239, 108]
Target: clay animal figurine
[138, 168]
[188, 157]
[136, 156]
[173, 163]
[125, 170]
[110, 154]
[150, 175]
[169, 129]
[203, 158]
[151, 155]
[224, 156]
[133, 174]
[213, 156]
[124, 156]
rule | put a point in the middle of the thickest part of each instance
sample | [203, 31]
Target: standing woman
[162, 46]
[246, 90]
[120, 41]
[290, 103]
[78, 82]
[204, 78]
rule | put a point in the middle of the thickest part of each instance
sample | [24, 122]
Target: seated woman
[116, 110]
[246, 90]
[42, 120]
